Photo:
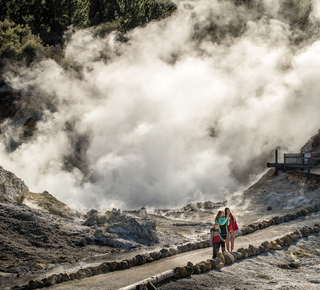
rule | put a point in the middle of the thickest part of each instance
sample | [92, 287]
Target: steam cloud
[187, 109]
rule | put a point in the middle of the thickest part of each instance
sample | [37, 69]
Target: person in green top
[223, 228]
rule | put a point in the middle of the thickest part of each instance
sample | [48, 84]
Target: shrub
[18, 43]
[105, 28]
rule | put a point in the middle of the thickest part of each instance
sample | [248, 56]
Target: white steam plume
[183, 111]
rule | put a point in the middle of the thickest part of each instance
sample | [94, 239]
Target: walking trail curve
[118, 279]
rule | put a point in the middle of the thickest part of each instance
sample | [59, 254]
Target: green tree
[4, 9]
[18, 10]
[103, 11]
[55, 16]
[136, 13]
[18, 43]
[74, 12]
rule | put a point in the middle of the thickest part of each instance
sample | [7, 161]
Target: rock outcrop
[12, 188]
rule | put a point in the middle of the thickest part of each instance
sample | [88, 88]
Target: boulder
[212, 262]
[173, 251]
[165, 253]
[142, 212]
[91, 271]
[104, 267]
[287, 240]
[64, 277]
[304, 212]
[221, 257]
[113, 265]
[241, 251]
[261, 225]
[182, 272]
[217, 264]
[148, 258]
[252, 250]
[51, 280]
[207, 264]
[228, 258]
[294, 237]
[189, 270]
[196, 269]
[263, 249]
[202, 267]
[99, 269]
[12, 188]
[253, 227]
[298, 233]
[286, 218]
[129, 228]
[190, 246]
[276, 220]
[249, 252]
[81, 274]
[274, 246]
[34, 284]
[140, 260]
[124, 264]
[280, 242]
[236, 255]
[72, 276]
[310, 208]
[316, 229]
[289, 217]
[180, 249]
[196, 245]
[305, 232]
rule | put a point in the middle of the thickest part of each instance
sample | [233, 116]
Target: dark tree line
[51, 18]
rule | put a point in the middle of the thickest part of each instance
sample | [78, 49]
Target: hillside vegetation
[32, 29]
[29, 27]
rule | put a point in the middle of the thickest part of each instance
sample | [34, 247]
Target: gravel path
[118, 279]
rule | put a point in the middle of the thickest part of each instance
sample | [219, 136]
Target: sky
[190, 108]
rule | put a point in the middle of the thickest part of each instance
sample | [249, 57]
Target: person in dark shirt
[223, 228]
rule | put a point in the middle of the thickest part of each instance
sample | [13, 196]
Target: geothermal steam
[187, 109]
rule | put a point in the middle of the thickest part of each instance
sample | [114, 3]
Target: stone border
[225, 258]
[279, 219]
[141, 259]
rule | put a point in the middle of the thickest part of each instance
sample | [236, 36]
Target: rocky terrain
[39, 234]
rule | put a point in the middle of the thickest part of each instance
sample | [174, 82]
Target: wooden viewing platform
[296, 161]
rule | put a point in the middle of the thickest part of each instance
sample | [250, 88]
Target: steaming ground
[37, 242]
[185, 109]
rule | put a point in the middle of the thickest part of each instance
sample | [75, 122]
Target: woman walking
[232, 229]
[223, 228]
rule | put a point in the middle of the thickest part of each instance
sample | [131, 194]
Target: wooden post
[151, 280]
[276, 156]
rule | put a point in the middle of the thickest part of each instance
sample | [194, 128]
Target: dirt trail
[118, 279]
